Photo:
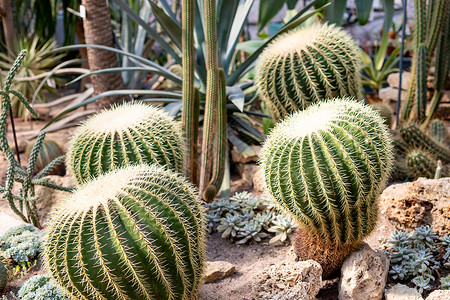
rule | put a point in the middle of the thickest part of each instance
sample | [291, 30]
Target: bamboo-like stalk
[212, 90]
[189, 119]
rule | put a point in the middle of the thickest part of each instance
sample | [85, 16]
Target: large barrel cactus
[133, 233]
[127, 134]
[308, 65]
[326, 166]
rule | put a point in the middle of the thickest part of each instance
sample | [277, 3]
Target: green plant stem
[220, 149]
[212, 89]
[188, 115]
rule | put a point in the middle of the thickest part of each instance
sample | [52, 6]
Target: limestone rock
[439, 295]
[363, 275]
[402, 292]
[389, 94]
[258, 180]
[288, 280]
[247, 172]
[217, 270]
[49, 198]
[7, 222]
[239, 157]
[393, 80]
[422, 202]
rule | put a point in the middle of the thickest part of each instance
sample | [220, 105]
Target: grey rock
[217, 270]
[402, 292]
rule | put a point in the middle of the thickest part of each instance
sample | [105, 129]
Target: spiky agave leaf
[132, 133]
[134, 233]
[327, 165]
[306, 66]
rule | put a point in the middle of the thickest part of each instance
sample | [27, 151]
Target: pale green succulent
[250, 232]
[283, 226]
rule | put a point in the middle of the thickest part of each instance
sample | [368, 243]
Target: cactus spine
[422, 74]
[326, 166]
[133, 133]
[134, 233]
[416, 138]
[49, 151]
[421, 164]
[437, 130]
[308, 65]
[5, 271]
[190, 101]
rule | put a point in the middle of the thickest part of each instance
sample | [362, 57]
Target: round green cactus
[134, 233]
[421, 164]
[326, 167]
[5, 271]
[48, 152]
[308, 65]
[133, 133]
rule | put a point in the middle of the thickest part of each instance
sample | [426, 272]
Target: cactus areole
[133, 133]
[326, 166]
[133, 233]
[307, 65]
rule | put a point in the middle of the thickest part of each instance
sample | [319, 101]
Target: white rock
[364, 275]
[439, 295]
[393, 80]
[7, 222]
[389, 94]
[288, 280]
[402, 292]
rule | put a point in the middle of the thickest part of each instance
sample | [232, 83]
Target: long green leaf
[132, 14]
[267, 10]
[169, 11]
[236, 96]
[236, 29]
[302, 16]
[140, 59]
[388, 7]
[227, 10]
[363, 10]
[120, 69]
[172, 29]
[335, 12]
[113, 93]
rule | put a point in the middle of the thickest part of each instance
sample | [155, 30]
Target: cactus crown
[308, 65]
[126, 134]
[327, 165]
[136, 232]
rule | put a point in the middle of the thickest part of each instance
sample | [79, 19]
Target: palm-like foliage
[39, 60]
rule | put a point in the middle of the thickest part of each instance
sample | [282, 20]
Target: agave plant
[38, 61]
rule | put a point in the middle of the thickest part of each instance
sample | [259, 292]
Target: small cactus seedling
[437, 130]
[49, 151]
[134, 233]
[385, 111]
[6, 271]
[415, 137]
[133, 133]
[421, 164]
[326, 166]
[306, 66]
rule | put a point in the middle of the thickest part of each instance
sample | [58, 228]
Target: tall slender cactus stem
[212, 90]
[189, 119]
[220, 147]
